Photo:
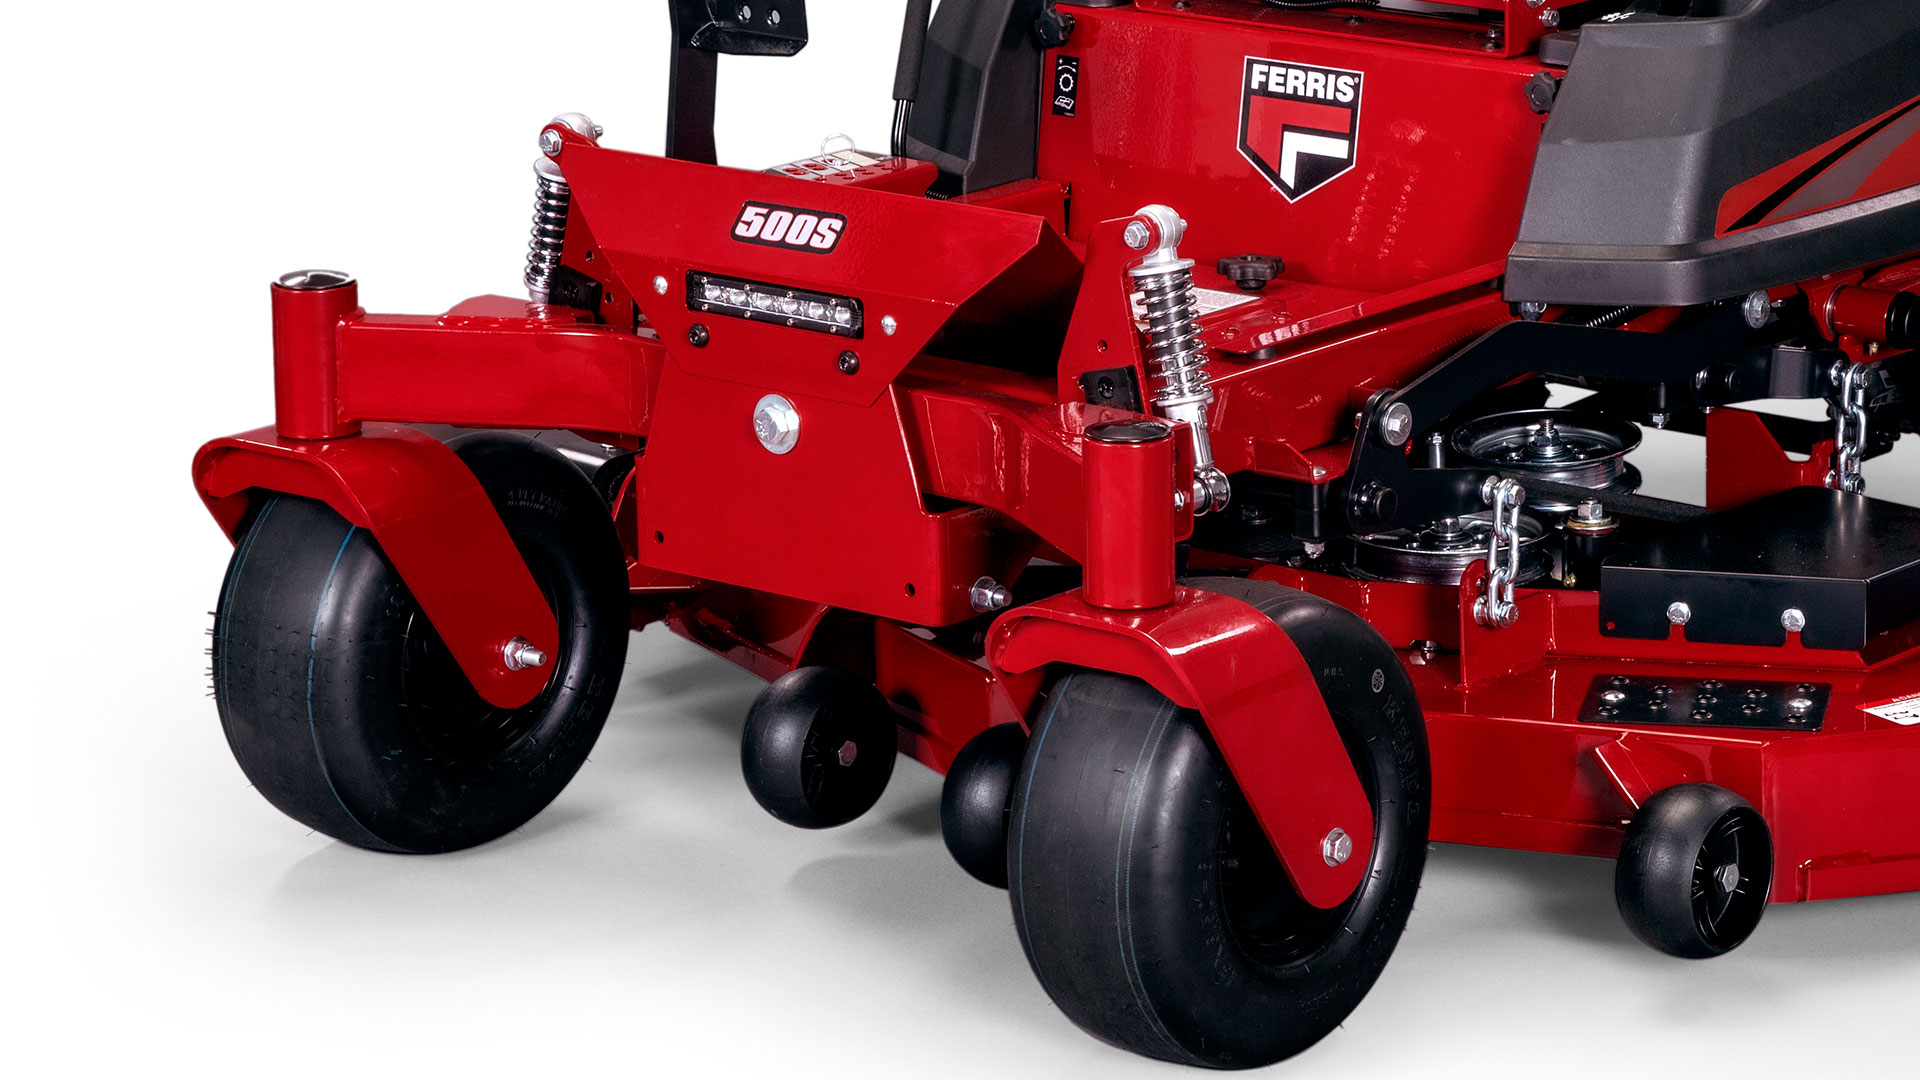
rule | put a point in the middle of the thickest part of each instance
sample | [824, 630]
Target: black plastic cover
[977, 114]
[1660, 117]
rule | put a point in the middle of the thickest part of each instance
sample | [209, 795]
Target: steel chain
[1849, 405]
[1496, 606]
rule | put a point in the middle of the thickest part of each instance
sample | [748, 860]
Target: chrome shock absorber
[1178, 357]
[551, 200]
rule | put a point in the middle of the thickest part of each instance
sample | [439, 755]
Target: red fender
[431, 518]
[1254, 691]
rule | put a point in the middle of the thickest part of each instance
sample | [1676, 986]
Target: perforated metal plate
[1723, 703]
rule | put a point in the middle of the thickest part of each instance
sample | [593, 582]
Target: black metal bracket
[702, 30]
[1387, 485]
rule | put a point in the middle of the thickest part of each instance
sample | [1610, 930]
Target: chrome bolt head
[1396, 424]
[1613, 696]
[1757, 309]
[550, 142]
[1550, 18]
[1800, 704]
[776, 423]
[1793, 620]
[660, 285]
[521, 655]
[989, 595]
[1138, 236]
[1727, 878]
[1337, 847]
[888, 325]
[1533, 310]
[847, 754]
[1679, 613]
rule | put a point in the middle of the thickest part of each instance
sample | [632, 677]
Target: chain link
[1496, 606]
[1850, 421]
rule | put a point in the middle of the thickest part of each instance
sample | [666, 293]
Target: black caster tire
[977, 798]
[344, 708]
[1150, 905]
[1695, 871]
[818, 747]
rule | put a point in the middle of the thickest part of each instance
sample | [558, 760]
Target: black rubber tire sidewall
[308, 665]
[1111, 861]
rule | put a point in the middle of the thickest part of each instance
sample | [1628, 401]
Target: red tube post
[308, 306]
[1130, 515]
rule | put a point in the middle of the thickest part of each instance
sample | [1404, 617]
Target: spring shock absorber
[551, 200]
[1182, 388]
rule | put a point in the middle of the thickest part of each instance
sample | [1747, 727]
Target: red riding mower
[1158, 442]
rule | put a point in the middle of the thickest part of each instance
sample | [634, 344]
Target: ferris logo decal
[790, 227]
[1299, 124]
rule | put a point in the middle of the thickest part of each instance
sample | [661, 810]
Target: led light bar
[822, 313]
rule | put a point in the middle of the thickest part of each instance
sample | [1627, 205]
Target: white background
[163, 162]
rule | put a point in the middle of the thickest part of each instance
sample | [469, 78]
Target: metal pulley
[1562, 446]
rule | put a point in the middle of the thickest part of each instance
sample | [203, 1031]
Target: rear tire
[342, 704]
[1149, 902]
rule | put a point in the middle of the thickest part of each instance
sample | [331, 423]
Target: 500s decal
[789, 227]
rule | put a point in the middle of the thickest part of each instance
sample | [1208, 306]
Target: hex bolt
[1794, 620]
[847, 754]
[989, 595]
[1138, 236]
[550, 142]
[1337, 847]
[1678, 613]
[1396, 424]
[521, 655]
[1757, 308]
[776, 423]
[1532, 310]
[1727, 877]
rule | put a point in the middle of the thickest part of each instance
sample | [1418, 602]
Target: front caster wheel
[1695, 871]
[818, 747]
[1151, 906]
[345, 709]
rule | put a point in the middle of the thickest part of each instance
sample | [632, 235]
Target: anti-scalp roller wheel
[818, 747]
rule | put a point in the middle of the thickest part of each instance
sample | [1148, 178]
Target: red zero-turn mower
[1157, 441]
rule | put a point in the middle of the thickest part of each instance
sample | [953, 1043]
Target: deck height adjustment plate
[1721, 703]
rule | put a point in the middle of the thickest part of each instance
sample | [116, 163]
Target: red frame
[921, 472]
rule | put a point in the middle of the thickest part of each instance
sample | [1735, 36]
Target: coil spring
[551, 199]
[1173, 338]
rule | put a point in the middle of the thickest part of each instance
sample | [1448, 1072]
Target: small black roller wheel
[344, 707]
[1151, 906]
[1695, 871]
[977, 798]
[818, 747]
